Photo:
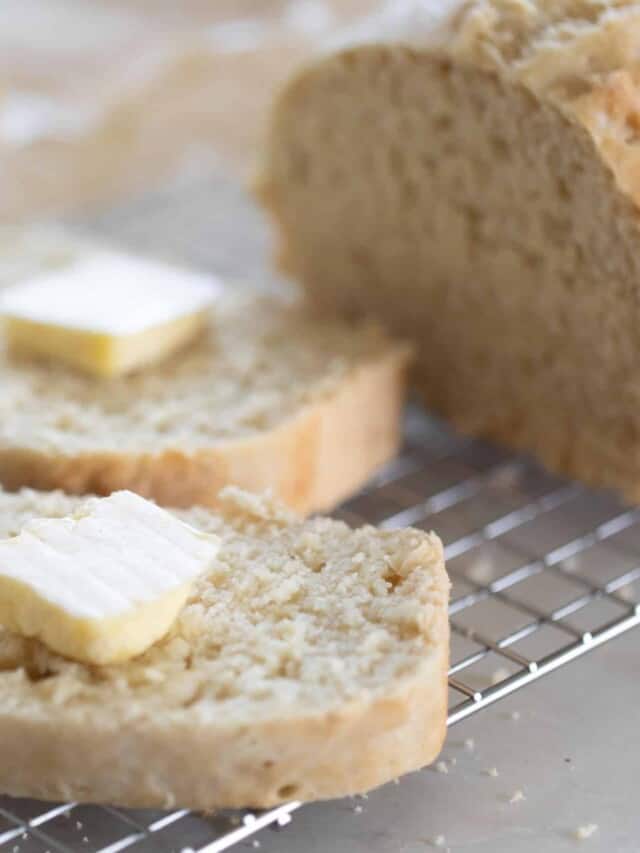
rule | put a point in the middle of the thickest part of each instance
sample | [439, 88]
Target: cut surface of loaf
[267, 398]
[470, 173]
[310, 662]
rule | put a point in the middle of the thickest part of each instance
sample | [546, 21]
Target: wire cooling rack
[543, 569]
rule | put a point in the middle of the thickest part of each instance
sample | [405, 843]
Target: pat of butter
[107, 313]
[105, 584]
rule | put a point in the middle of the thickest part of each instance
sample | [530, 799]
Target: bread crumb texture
[470, 173]
[289, 620]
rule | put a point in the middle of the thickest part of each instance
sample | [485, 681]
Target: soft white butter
[105, 584]
[108, 312]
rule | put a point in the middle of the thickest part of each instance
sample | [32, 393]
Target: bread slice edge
[310, 461]
[148, 764]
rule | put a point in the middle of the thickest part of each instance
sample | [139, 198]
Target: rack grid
[543, 570]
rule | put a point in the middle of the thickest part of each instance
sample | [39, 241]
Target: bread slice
[310, 662]
[470, 172]
[267, 398]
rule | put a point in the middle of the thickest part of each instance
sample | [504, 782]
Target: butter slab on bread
[470, 173]
[102, 584]
[267, 398]
[310, 662]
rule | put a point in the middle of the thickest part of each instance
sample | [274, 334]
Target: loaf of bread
[470, 172]
[267, 398]
[309, 662]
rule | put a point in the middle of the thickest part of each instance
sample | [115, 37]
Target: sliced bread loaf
[268, 397]
[310, 662]
[469, 171]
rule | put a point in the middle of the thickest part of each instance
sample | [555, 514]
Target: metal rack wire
[543, 570]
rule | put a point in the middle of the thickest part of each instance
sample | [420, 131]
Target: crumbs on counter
[481, 571]
[582, 833]
[500, 674]
[517, 797]
[627, 593]
[507, 479]
[491, 771]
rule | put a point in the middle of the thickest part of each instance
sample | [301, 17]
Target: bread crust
[144, 763]
[310, 461]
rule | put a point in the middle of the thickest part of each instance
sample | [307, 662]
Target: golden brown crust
[310, 461]
[582, 57]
